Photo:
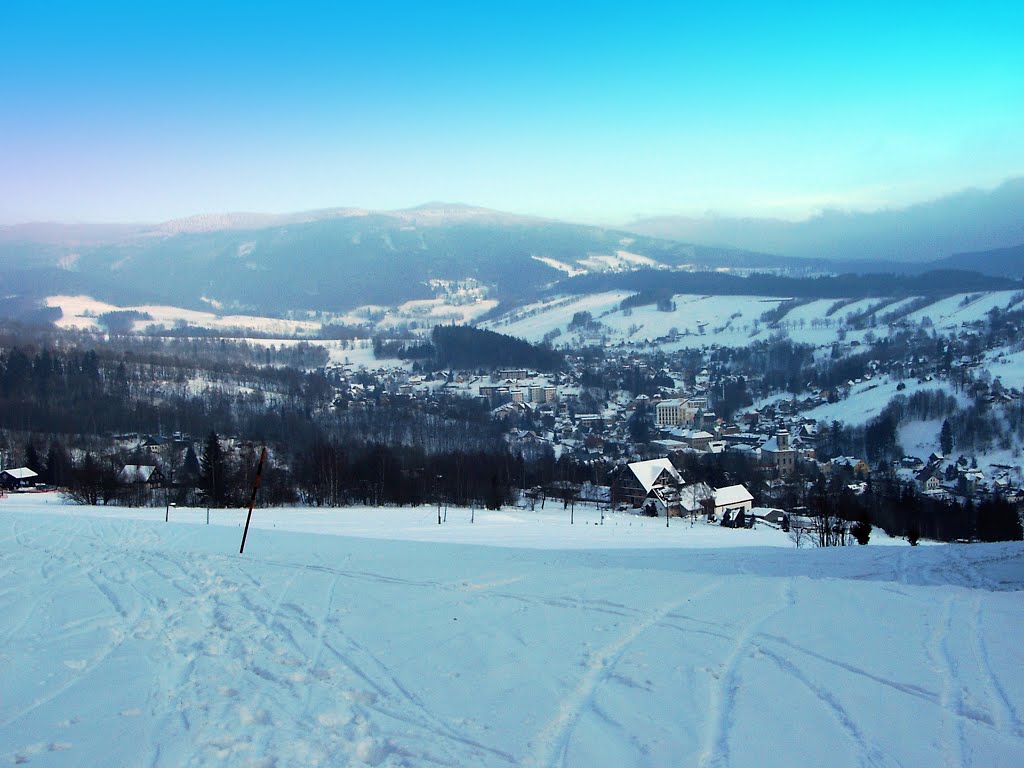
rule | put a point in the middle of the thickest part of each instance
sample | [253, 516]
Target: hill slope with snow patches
[705, 320]
[128, 641]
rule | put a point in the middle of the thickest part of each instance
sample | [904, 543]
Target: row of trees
[324, 473]
[329, 472]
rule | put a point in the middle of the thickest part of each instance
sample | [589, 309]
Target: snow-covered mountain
[338, 259]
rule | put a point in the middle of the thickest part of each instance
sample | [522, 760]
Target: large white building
[674, 413]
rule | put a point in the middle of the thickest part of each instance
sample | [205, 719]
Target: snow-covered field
[735, 320]
[949, 313]
[128, 641]
[702, 320]
[82, 311]
[1008, 367]
[868, 398]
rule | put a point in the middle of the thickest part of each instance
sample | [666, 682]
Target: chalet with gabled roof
[18, 477]
[651, 480]
[141, 474]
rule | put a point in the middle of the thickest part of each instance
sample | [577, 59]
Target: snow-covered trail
[128, 642]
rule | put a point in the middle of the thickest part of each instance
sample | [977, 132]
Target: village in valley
[775, 430]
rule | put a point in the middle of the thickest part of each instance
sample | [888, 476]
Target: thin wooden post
[252, 501]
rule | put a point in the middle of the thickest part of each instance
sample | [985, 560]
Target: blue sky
[586, 111]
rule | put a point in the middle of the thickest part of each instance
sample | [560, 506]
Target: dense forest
[462, 346]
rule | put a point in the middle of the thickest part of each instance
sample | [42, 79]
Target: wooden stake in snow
[252, 501]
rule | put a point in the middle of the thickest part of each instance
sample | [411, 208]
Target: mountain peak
[440, 212]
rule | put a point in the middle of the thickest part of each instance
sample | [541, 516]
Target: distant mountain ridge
[1003, 262]
[968, 221]
[428, 213]
[339, 259]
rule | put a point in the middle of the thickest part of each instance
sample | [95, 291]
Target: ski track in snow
[722, 698]
[948, 666]
[909, 689]
[1004, 715]
[276, 661]
[552, 743]
[867, 755]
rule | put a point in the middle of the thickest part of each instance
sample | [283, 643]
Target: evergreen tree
[494, 494]
[213, 470]
[32, 458]
[190, 465]
[59, 466]
[640, 424]
[946, 438]
[861, 530]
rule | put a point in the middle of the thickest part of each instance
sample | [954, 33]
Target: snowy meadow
[378, 637]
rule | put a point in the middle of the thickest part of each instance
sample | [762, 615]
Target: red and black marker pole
[252, 501]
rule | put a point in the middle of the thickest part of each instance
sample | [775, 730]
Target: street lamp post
[439, 479]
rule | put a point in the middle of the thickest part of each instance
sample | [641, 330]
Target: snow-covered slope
[703, 320]
[951, 312]
[82, 312]
[134, 642]
[698, 320]
[867, 399]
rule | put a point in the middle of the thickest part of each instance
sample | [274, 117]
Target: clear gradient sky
[146, 111]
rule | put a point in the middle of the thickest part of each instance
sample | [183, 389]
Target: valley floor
[127, 641]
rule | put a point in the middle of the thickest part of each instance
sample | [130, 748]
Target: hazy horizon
[706, 216]
[582, 113]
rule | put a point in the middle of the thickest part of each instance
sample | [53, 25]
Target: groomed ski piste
[378, 637]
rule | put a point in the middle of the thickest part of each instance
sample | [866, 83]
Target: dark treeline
[206, 351]
[900, 510]
[97, 391]
[62, 407]
[335, 473]
[462, 346]
[662, 298]
[122, 320]
[326, 471]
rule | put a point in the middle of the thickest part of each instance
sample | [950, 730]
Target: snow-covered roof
[845, 461]
[732, 494]
[669, 445]
[21, 473]
[648, 472]
[674, 403]
[136, 473]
